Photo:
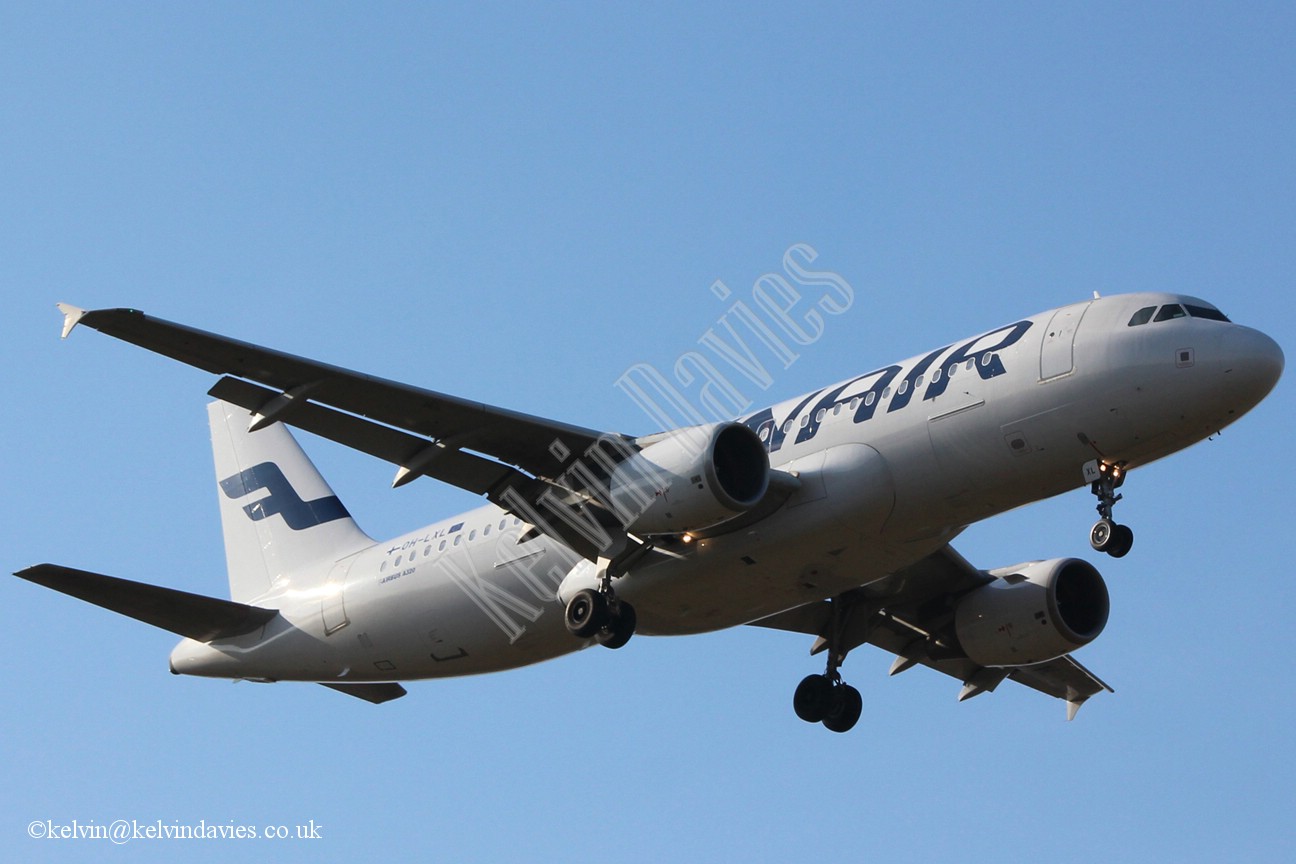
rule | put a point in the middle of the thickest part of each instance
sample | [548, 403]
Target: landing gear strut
[826, 698]
[598, 613]
[1107, 536]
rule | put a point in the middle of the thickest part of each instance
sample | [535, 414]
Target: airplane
[830, 514]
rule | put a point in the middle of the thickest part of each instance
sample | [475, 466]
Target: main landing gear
[826, 698]
[598, 613]
[1107, 536]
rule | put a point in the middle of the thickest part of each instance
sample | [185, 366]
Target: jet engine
[691, 479]
[1032, 613]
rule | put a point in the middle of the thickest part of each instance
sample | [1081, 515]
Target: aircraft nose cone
[1253, 362]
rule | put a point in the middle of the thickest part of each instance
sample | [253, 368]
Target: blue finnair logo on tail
[282, 500]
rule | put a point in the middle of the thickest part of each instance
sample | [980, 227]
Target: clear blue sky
[516, 202]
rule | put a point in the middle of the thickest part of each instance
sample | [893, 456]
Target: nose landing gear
[1106, 535]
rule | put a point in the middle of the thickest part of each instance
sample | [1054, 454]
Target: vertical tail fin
[282, 522]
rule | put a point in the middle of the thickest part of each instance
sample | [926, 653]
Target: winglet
[71, 317]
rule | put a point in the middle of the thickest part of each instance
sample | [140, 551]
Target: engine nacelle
[1033, 613]
[691, 479]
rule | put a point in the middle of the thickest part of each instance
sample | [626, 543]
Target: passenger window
[886, 394]
[472, 535]
[904, 388]
[1170, 312]
[441, 546]
[486, 531]
[458, 537]
[855, 403]
[819, 415]
[870, 399]
[427, 550]
[1142, 316]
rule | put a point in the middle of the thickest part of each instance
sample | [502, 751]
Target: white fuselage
[892, 465]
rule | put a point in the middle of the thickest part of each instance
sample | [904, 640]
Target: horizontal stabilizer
[375, 693]
[193, 615]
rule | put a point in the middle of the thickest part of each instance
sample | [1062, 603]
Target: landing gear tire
[1115, 540]
[847, 704]
[826, 698]
[1122, 541]
[813, 699]
[619, 628]
[1102, 534]
[587, 614]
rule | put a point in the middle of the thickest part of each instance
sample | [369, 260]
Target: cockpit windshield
[1207, 312]
[1172, 311]
[1142, 316]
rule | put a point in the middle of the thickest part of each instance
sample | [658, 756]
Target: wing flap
[465, 470]
[193, 615]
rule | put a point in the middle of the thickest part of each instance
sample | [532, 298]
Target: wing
[909, 615]
[515, 460]
[534, 444]
[421, 431]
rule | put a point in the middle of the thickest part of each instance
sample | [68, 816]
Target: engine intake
[691, 479]
[1033, 613]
